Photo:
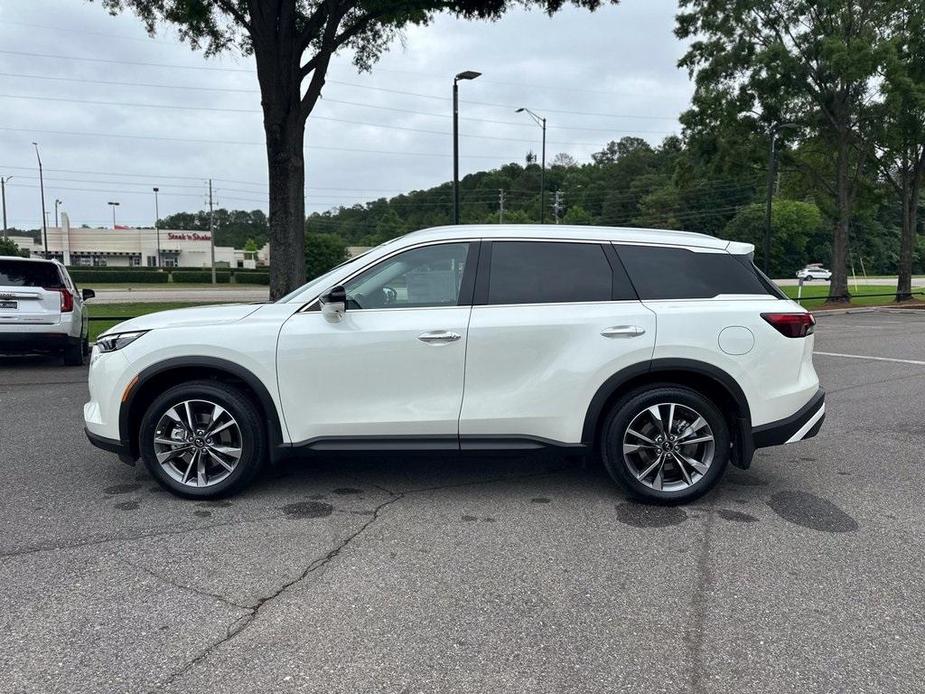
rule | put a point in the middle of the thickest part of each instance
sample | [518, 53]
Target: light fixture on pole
[157, 229]
[466, 75]
[42, 188]
[57, 202]
[114, 205]
[542, 123]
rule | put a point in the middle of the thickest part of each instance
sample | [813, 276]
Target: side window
[679, 273]
[542, 272]
[422, 277]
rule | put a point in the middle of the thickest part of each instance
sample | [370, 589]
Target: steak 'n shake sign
[188, 236]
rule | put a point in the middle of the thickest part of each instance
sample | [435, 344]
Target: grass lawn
[129, 311]
[814, 295]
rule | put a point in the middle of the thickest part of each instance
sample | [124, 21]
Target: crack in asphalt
[51, 547]
[183, 586]
[694, 631]
[240, 625]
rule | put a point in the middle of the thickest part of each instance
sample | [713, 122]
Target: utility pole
[557, 205]
[212, 230]
[157, 229]
[772, 178]
[3, 197]
[42, 187]
[540, 121]
[501, 206]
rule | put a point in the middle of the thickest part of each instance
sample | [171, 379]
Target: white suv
[41, 309]
[814, 272]
[666, 352]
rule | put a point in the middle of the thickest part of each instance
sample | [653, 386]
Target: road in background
[430, 574]
[879, 281]
[243, 294]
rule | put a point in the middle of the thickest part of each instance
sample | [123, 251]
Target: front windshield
[318, 281]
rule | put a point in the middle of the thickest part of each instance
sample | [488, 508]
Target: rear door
[30, 292]
[551, 321]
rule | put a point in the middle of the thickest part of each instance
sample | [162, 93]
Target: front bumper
[112, 445]
[803, 424]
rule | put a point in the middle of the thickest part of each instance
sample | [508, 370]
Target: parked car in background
[814, 272]
[41, 309]
[667, 353]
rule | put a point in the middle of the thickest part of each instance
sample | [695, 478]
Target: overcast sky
[596, 77]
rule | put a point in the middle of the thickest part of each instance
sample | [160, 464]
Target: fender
[613, 384]
[274, 429]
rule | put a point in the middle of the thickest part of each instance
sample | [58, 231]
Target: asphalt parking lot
[804, 574]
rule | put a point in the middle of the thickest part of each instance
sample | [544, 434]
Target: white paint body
[38, 311]
[526, 370]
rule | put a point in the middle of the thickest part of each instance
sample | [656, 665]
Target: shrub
[252, 277]
[124, 275]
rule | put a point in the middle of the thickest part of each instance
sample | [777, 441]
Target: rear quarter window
[679, 273]
[23, 273]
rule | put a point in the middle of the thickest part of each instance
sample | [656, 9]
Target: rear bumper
[111, 445]
[19, 342]
[803, 424]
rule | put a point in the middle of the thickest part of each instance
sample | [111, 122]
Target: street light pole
[157, 229]
[3, 198]
[57, 202]
[772, 175]
[42, 188]
[467, 75]
[541, 121]
[114, 205]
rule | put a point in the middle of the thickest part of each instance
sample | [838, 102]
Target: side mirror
[334, 303]
[87, 294]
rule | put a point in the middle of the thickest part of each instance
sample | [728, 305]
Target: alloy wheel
[197, 442]
[668, 447]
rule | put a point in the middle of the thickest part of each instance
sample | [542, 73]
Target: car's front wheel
[666, 444]
[203, 439]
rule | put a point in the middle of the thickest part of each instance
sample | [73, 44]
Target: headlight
[114, 341]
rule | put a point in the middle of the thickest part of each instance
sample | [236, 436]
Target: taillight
[791, 324]
[67, 301]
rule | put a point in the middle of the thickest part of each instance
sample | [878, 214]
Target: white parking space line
[861, 356]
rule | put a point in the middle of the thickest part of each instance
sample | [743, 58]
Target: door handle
[623, 331]
[439, 337]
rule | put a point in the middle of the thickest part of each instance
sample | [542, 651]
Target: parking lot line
[861, 356]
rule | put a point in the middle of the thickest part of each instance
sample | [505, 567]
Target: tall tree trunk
[907, 241]
[838, 288]
[277, 57]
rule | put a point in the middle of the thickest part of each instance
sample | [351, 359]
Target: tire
[634, 464]
[173, 459]
[74, 353]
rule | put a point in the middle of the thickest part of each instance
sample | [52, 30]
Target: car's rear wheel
[665, 444]
[203, 439]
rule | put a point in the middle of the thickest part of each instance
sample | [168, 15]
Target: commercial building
[131, 247]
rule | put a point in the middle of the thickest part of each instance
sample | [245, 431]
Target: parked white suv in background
[814, 272]
[666, 352]
[41, 309]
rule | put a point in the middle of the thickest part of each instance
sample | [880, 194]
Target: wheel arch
[705, 378]
[157, 378]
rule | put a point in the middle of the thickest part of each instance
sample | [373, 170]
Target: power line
[323, 118]
[239, 142]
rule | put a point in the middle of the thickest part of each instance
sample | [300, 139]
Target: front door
[392, 368]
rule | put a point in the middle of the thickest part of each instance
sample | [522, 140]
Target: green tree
[292, 42]
[7, 247]
[799, 232]
[322, 252]
[899, 135]
[577, 215]
[809, 61]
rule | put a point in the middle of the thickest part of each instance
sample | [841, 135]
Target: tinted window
[22, 273]
[677, 273]
[534, 272]
[421, 277]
